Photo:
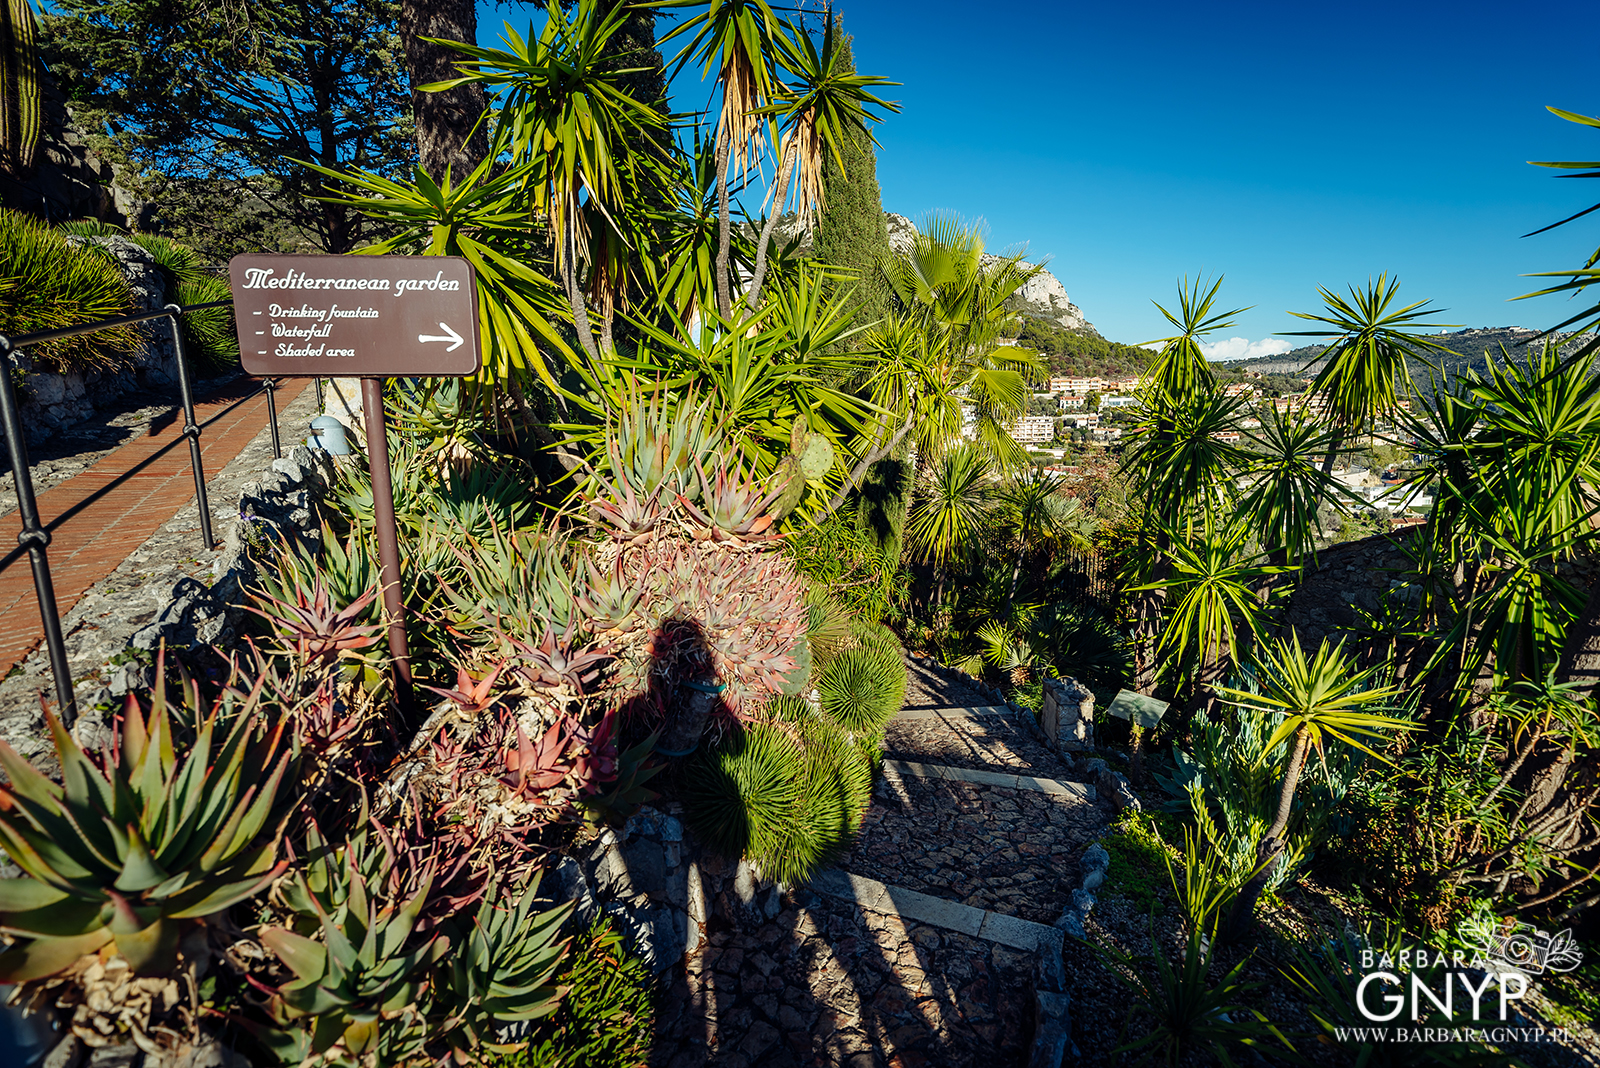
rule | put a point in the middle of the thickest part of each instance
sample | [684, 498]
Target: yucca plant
[1321, 697]
[1186, 1011]
[139, 843]
[500, 970]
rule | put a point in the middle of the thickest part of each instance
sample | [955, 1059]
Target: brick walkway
[100, 515]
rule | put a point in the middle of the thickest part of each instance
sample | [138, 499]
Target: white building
[1080, 419]
[1069, 401]
[1119, 402]
[1034, 429]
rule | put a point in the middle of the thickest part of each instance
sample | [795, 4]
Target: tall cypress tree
[850, 232]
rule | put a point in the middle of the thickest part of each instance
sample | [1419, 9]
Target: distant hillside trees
[1070, 352]
[851, 232]
[222, 98]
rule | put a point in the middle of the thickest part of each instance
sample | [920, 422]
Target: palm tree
[1320, 698]
[950, 511]
[1213, 582]
[736, 39]
[1366, 361]
[943, 288]
[1031, 515]
[827, 103]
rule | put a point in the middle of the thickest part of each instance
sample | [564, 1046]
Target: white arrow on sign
[451, 336]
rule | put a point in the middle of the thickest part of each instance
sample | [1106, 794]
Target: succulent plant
[609, 602]
[472, 695]
[316, 631]
[624, 514]
[653, 446]
[553, 662]
[733, 506]
[513, 580]
[535, 768]
[137, 845]
[811, 450]
[500, 970]
[360, 987]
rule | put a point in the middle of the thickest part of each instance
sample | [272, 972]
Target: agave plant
[139, 843]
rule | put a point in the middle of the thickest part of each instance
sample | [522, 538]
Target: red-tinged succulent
[732, 508]
[609, 602]
[312, 629]
[625, 515]
[472, 695]
[553, 662]
[594, 754]
[534, 769]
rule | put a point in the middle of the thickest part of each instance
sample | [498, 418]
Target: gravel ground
[829, 984]
[986, 743]
[1009, 851]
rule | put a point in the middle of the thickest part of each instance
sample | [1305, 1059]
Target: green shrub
[209, 336]
[1139, 859]
[737, 798]
[862, 688]
[47, 283]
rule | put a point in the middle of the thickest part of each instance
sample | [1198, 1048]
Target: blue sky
[1282, 145]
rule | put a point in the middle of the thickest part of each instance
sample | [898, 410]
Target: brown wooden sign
[357, 316]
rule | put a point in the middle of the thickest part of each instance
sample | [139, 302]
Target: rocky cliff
[1044, 296]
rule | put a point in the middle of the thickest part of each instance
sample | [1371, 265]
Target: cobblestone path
[934, 959]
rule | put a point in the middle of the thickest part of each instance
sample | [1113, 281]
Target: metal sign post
[367, 317]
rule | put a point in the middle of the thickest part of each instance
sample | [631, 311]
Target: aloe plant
[359, 992]
[733, 507]
[501, 969]
[141, 842]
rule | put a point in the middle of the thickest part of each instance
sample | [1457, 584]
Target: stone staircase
[935, 939]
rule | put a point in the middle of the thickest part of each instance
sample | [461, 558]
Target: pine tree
[851, 233]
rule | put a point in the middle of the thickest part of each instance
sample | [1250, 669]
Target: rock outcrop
[1043, 297]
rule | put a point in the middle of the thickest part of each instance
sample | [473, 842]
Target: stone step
[997, 842]
[1077, 791]
[953, 712]
[917, 907]
[979, 738]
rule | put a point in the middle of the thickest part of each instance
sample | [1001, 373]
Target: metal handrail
[34, 537]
